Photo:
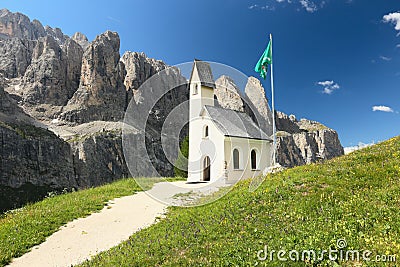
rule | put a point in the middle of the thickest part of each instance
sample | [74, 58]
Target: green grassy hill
[354, 197]
[24, 228]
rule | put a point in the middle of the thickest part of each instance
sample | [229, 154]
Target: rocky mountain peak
[311, 126]
[4, 12]
[139, 68]
[286, 123]
[108, 39]
[17, 25]
[228, 94]
[304, 141]
[53, 75]
[101, 59]
[80, 90]
[57, 34]
[256, 95]
[254, 86]
[299, 142]
[81, 39]
[101, 94]
[228, 80]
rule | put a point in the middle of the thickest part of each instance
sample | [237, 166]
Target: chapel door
[206, 169]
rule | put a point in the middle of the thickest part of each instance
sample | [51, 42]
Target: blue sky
[334, 60]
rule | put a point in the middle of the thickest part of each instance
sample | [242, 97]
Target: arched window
[206, 131]
[236, 159]
[253, 159]
[195, 89]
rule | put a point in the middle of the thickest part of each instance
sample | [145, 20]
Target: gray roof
[205, 74]
[235, 124]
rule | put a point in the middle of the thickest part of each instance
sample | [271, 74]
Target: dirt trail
[83, 238]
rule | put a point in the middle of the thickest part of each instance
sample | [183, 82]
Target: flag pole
[273, 109]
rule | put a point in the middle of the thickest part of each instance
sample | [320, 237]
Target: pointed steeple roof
[205, 74]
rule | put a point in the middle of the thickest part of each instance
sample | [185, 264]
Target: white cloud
[283, 1]
[326, 83]
[308, 5]
[335, 86]
[329, 86]
[398, 46]
[382, 108]
[360, 145]
[393, 18]
[266, 7]
[385, 58]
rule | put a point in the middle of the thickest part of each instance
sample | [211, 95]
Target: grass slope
[354, 197]
[24, 228]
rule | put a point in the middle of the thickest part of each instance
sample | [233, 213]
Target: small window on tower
[195, 88]
[206, 131]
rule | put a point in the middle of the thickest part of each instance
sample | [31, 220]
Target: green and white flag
[264, 61]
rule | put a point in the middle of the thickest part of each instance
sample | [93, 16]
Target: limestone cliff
[101, 94]
[81, 39]
[53, 74]
[33, 160]
[64, 101]
[305, 141]
[228, 94]
[139, 68]
[15, 56]
[17, 25]
[79, 91]
[258, 103]
[98, 157]
[298, 142]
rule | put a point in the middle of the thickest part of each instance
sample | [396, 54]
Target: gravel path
[82, 238]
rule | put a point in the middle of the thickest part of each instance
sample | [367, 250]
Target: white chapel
[224, 145]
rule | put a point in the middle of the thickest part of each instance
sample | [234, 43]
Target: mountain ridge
[80, 90]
